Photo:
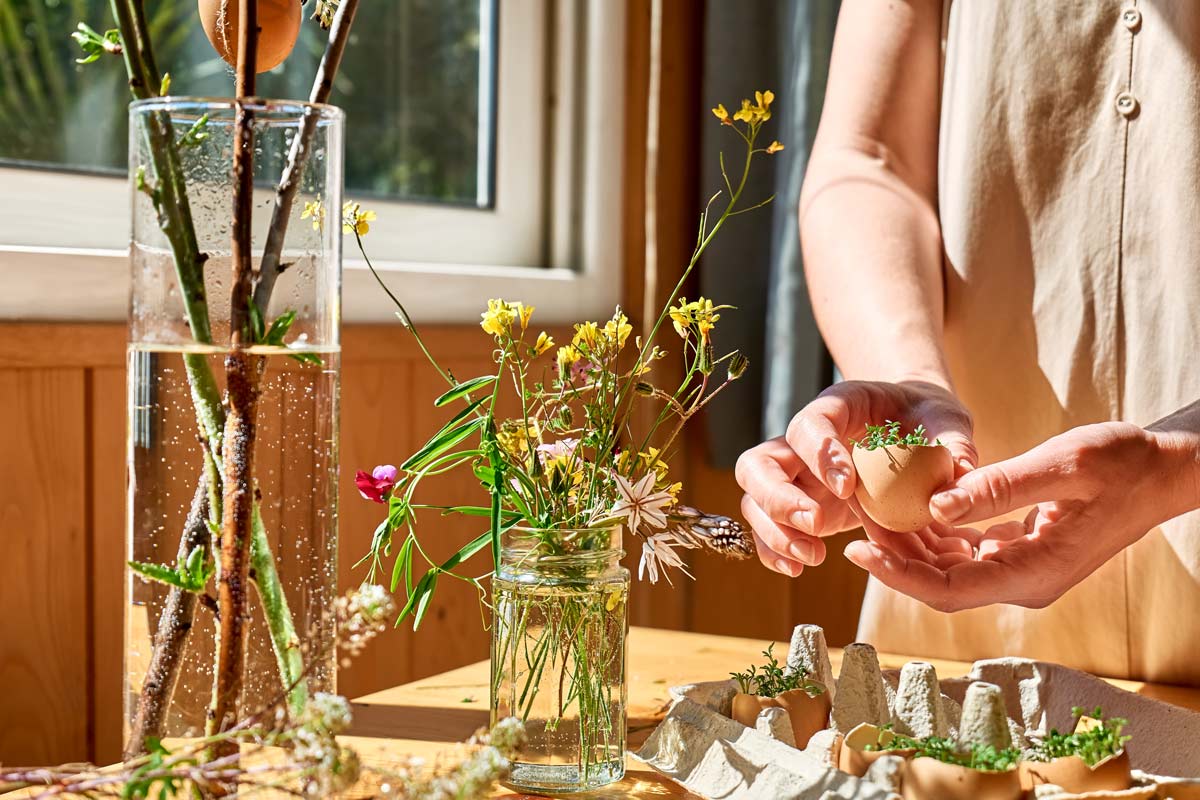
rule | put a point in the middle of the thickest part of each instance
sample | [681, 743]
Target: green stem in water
[284, 640]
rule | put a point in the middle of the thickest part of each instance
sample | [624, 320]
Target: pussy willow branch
[241, 420]
[271, 265]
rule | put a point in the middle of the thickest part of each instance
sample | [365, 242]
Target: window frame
[551, 237]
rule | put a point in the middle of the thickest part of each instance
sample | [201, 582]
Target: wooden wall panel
[106, 419]
[44, 567]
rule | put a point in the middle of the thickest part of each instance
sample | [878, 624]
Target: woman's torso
[1069, 175]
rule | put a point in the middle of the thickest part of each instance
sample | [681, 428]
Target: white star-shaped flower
[638, 503]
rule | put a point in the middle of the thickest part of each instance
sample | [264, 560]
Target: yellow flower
[567, 358]
[515, 436]
[525, 312]
[721, 113]
[747, 113]
[680, 318]
[498, 319]
[544, 343]
[316, 212]
[701, 313]
[774, 147]
[617, 329]
[355, 220]
[587, 337]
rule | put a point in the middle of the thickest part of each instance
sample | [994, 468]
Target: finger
[817, 434]
[782, 539]
[767, 473]
[772, 560]
[959, 586]
[1033, 477]
[908, 545]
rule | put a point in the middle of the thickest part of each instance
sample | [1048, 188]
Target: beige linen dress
[1069, 183]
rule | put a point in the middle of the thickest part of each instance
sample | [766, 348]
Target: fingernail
[802, 550]
[784, 566]
[952, 505]
[803, 520]
[836, 480]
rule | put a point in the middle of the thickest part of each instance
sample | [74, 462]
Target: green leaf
[415, 595]
[280, 327]
[403, 565]
[306, 358]
[469, 549]
[158, 572]
[423, 605]
[196, 134]
[464, 388]
[257, 331]
[443, 441]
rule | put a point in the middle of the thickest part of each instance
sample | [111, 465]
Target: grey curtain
[783, 45]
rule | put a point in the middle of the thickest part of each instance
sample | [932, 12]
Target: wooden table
[427, 716]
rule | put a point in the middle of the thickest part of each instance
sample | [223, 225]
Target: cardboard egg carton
[699, 746]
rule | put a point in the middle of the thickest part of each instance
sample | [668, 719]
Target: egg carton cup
[699, 747]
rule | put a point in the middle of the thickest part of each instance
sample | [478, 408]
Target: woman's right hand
[800, 487]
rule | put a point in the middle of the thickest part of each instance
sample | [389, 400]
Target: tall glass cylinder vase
[180, 159]
[560, 605]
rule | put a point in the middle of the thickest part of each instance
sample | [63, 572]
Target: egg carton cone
[699, 747]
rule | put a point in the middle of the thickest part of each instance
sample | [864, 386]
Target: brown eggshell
[278, 21]
[896, 482]
[807, 713]
[926, 778]
[1179, 789]
[1074, 775]
[852, 758]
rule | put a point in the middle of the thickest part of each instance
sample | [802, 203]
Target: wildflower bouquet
[570, 460]
[565, 474]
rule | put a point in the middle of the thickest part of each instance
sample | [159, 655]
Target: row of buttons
[1127, 104]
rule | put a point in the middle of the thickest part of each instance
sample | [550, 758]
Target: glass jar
[180, 159]
[560, 618]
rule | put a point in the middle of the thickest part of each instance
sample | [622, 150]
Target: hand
[1097, 489]
[797, 486]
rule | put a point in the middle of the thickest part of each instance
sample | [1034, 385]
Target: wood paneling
[44, 567]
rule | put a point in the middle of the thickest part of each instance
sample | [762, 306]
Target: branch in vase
[174, 623]
[272, 266]
[242, 385]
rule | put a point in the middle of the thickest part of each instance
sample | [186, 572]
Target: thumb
[954, 430]
[999, 488]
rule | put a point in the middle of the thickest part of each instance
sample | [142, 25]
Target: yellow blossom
[721, 113]
[316, 211]
[617, 329]
[587, 337]
[525, 312]
[567, 357]
[355, 220]
[544, 343]
[774, 147]
[746, 114]
[680, 318]
[701, 313]
[498, 319]
[516, 437]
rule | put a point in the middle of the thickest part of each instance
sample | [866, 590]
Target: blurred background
[553, 151]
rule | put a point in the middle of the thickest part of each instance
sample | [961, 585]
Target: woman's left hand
[1095, 489]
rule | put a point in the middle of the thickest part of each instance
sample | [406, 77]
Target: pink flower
[377, 484]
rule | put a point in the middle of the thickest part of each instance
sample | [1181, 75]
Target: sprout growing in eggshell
[898, 473]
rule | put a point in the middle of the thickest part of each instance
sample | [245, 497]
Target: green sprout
[888, 435]
[772, 680]
[1093, 746]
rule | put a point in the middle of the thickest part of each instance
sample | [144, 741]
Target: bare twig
[285, 194]
[241, 376]
[174, 623]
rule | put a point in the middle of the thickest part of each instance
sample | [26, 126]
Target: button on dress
[1069, 199]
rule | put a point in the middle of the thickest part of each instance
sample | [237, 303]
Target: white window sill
[44, 284]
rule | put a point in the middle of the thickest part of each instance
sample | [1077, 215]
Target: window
[474, 129]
